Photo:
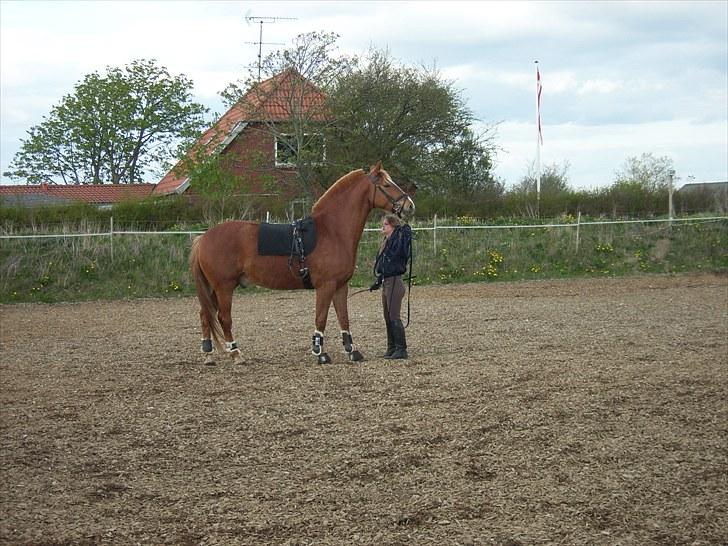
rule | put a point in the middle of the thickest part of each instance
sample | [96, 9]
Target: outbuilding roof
[96, 194]
[704, 187]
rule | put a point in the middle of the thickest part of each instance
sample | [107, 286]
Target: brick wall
[252, 157]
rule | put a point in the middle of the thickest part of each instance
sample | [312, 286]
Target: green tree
[554, 180]
[464, 168]
[554, 191]
[647, 171]
[414, 121]
[641, 186]
[114, 128]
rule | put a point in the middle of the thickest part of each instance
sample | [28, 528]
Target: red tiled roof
[277, 98]
[270, 100]
[97, 194]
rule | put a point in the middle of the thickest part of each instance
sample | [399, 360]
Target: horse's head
[388, 195]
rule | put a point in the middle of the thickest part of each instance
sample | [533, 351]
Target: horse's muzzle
[407, 210]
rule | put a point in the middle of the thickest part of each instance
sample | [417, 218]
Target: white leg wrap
[231, 346]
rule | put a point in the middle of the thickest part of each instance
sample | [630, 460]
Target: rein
[358, 292]
[409, 282]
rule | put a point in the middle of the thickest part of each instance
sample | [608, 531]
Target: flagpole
[538, 140]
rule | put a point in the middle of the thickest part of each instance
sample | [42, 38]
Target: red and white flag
[538, 104]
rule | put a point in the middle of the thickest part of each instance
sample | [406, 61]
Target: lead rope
[409, 281]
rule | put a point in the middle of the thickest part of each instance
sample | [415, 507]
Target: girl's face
[387, 228]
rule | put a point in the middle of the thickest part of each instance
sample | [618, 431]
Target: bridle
[397, 203]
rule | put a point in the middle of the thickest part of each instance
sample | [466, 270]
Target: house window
[287, 149]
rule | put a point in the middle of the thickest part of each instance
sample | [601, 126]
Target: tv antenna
[261, 20]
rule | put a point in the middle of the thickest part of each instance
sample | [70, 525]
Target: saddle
[295, 240]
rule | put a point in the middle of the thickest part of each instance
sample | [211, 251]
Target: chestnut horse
[227, 256]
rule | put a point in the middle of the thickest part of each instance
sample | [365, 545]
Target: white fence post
[670, 209]
[111, 236]
[578, 224]
[434, 233]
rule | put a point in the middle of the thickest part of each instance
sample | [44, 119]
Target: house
[703, 196]
[100, 195]
[243, 136]
[714, 188]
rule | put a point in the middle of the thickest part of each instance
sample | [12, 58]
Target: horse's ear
[376, 168]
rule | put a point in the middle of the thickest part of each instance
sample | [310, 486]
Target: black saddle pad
[277, 239]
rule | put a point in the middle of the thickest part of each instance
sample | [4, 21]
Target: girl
[390, 265]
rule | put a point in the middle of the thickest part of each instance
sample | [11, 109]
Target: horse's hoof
[237, 358]
[356, 356]
[324, 358]
[209, 360]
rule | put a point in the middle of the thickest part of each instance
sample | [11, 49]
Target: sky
[620, 79]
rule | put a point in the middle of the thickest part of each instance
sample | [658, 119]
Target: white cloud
[559, 82]
[601, 85]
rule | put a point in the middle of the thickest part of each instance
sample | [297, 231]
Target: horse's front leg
[324, 294]
[342, 314]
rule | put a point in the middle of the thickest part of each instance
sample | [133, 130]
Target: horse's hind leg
[224, 315]
[207, 347]
[342, 314]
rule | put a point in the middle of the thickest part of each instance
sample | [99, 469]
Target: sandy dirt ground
[557, 412]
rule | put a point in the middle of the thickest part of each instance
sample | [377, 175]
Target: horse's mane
[338, 187]
[343, 184]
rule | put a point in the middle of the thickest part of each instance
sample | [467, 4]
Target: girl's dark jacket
[392, 259]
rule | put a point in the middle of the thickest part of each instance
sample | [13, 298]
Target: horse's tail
[208, 307]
